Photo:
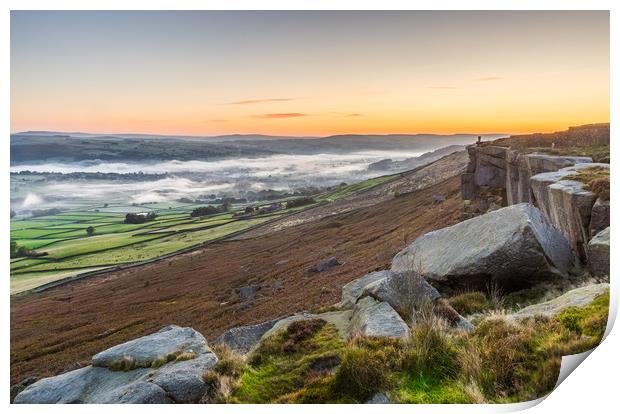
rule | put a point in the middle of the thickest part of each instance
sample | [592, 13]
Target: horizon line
[40, 131]
[259, 134]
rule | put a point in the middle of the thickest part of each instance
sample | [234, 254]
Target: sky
[308, 73]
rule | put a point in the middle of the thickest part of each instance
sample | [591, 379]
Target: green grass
[430, 390]
[294, 365]
[32, 223]
[590, 320]
[27, 281]
[352, 188]
[91, 244]
[596, 179]
[33, 233]
[470, 302]
[500, 362]
[124, 248]
[39, 243]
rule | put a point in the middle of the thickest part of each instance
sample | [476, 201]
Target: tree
[298, 202]
[12, 213]
[226, 205]
[139, 218]
[90, 230]
[204, 211]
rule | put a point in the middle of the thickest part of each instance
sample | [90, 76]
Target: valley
[67, 323]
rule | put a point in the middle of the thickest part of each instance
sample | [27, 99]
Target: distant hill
[389, 165]
[45, 146]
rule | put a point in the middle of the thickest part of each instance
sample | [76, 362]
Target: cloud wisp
[259, 101]
[280, 115]
[489, 78]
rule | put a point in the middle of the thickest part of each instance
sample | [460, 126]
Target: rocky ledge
[569, 207]
[578, 298]
[509, 170]
[164, 367]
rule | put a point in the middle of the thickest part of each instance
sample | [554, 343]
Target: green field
[353, 188]
[70, 251]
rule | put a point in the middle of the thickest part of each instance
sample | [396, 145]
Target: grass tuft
[294, 365]
[596, 179]
[362, 373]
[470, 303]
[590, 320]
[185, 356]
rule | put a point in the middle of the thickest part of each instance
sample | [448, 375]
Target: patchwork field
[69, 250]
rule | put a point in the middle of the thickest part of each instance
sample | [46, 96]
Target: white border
[592, 388]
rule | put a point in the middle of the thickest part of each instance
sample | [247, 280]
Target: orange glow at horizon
[487, 72]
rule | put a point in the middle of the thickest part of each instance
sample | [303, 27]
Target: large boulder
[579, 297]
[406, 292]
[352, 291]
[152, 349]
[164, 367]
[566, 204]
[598, 255]
[182, 380]
[243, 338]
[512, 247]
[377, 319]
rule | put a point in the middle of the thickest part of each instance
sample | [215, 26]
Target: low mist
[190, 179]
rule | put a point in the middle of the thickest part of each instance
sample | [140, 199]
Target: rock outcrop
[243, 338]
[407, 292]
[568, 206]
[381, 304]
[378, 398]
[513, 247]
[164, 367]
[352, 291]
[598, 255]
[599, 219]
[500, 175]
[324, 265]
[152, 349]
[374, 318]
[340, 319]
[509, 170]
[577, 297]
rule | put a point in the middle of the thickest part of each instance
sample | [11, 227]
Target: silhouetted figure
[479, 140]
